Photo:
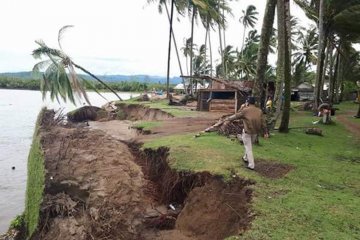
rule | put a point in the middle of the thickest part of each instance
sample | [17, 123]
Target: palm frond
[61, 32]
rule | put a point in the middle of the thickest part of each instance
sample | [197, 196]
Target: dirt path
[120, 130]
[353, 127]
[182, 125]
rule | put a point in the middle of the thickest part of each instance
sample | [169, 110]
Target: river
[18, 112]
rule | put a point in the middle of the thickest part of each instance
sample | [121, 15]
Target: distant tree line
[125, 86]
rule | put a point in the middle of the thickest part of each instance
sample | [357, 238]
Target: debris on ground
[314, 131]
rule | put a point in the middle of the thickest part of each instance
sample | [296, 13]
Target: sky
[110, 36]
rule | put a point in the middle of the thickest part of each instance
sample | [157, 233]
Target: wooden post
[236, 101]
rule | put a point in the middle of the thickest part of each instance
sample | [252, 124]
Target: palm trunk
[358, 112]
[169, 50]
[211, 60]
[175, 45]
[221, 52]
[242, 49]
[95, 77]
[191, 50]
[338, 77]
[223, 22]
[206, 37]
[320, 60]
[282, 13]
[322, 82]
[332, 76]
[280, 70]
[243, 42]
[263, 51]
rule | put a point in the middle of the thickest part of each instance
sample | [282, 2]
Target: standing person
[254, 124]
[269, 105]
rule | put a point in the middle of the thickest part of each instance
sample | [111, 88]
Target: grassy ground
[319, 199]
[35, 182]
[163, 105]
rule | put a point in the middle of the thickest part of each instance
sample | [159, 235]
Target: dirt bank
[98, 187]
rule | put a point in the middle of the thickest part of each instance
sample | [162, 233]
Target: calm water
[18, 112]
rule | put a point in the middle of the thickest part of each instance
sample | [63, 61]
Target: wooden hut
[223, 95]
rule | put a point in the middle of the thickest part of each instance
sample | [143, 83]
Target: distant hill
[108, 78]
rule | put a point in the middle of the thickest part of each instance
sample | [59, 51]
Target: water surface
[18, 112]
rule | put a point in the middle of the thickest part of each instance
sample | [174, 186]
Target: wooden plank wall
[222, 105]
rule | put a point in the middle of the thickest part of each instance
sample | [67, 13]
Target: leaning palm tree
[248, 19]
[60, 77]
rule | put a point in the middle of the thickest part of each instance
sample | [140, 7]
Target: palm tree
[265, 37]
[284, 62]
[248, 19]
[201, 65]
[186, 51]
[169, 49]
[228, 61]
[193, 9]
[306, 53]
[246, 59]
[335, 16]
[60, 77]
[179, 6]
[212, 15]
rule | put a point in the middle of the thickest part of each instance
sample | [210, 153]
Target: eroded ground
[100, 185]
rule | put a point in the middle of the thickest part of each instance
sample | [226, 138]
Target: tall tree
[284, 60]
[266, 31]
[180, 6]
[60, 77]
[169, 50]
[248, 19]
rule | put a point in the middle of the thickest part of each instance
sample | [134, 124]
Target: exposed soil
[353, 127]
[139, 112]
[121, 130]
[98, 187]
[182, 125]
[270, 169]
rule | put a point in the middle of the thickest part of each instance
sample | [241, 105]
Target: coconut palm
[228, 61]
[210, 17]
[284, 68]
[265, 38]
[335, 16]
[60, 77]
[201, 65]
[179, 5]
[306, 51]
[169, 49]
[248, 19]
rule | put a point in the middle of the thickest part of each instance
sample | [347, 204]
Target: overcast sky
[110, 36]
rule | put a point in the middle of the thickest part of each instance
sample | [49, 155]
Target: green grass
[319, 199]
[35, 182]
[163, 105]
[147, 125]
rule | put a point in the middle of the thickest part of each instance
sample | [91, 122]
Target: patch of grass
[163, 105]
[17, 222]
[35, 181]
[346, 106]
[147, 125]
[318, 199]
